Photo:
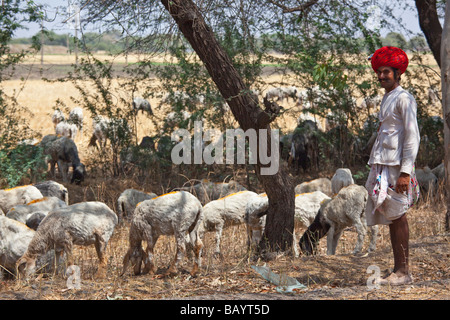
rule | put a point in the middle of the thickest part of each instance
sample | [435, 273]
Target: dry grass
[327, 277]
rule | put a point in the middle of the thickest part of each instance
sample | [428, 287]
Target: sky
[409, 18]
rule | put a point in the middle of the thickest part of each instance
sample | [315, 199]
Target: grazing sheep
[281, 93]
[341, 178]
[346, 209]
[64, 152]
[23, 211]
[76, 117]
[439, 172]
[127, 201]
[57, 117]
[428, 182]
[14, 240]
[320, 184]
[220, 213]
[141, 104]
[83, 223]
[307, 206]
[176, 213]
[52, 188]
[66, 129]
[18, 195]
[207, 191]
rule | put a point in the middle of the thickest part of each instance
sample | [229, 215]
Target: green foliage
[17, 161]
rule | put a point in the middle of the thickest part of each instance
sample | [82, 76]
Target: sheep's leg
[198, 246]
[373, 238]
[149, 267]
[100, 247]
[361, 230]
[63, 168]
[219, 230]
[330, 239]
[181, 249]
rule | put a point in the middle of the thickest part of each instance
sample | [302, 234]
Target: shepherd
[392, 183]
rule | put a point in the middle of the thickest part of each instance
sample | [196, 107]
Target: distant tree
[395, 39]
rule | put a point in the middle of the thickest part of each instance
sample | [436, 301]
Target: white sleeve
[407, 107]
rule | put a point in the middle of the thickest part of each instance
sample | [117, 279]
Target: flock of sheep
[38, 228]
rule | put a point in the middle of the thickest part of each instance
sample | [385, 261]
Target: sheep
[341, 178]
[223, 212]
[83, 223]
[345, 209]
[18, 195]
[52, 188]
[14, 240]
[76, 117]
[57, 117]
[127, 201]
[281, 93]
[111, 129]
[428, 182]
[307, 206]
[66, 129]
[175, 213]
[141, 104]
[320, 184]
[22, 212]
[439, 172]
[63, 151]
[207, 191]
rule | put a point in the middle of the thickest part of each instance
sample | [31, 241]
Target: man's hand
[402, 183]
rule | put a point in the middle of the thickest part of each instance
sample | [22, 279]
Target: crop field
[343, 276]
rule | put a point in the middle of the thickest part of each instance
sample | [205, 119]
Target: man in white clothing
[391, 184]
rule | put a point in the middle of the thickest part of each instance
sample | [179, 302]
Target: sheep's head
[79, 172]
[26, 266]
[136, 256]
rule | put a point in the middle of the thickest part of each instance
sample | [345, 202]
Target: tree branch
[302, 7]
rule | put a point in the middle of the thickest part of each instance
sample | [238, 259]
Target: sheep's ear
[21, 266]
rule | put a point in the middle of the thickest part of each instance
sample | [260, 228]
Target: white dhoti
[383, 203]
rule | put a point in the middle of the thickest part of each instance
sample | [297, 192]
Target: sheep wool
[176, 213]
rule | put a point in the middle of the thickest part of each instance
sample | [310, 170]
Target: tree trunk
[430, 25]
[246, 110]
[445, 82]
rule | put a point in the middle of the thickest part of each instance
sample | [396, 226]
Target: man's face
[386, 77]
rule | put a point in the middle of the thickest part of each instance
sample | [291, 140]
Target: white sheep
[66, 129]
[76, 117]
[22, 212]
[341, 178]
[52, 188]
[127, 201]
[320, 184]
[57, 117]
[18, 195]
[428, 182]
[14, 240]
[142, 105]
[83, 223]
[99, 126]
[176, 213]
[307, 206]
[344, 210]
[220, 213]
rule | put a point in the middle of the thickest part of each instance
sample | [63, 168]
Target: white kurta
[393, 152]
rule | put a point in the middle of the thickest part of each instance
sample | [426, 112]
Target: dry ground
[343, 276]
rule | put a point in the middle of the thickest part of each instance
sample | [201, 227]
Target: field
[343, 276]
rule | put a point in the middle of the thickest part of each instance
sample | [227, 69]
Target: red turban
[390, 57]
